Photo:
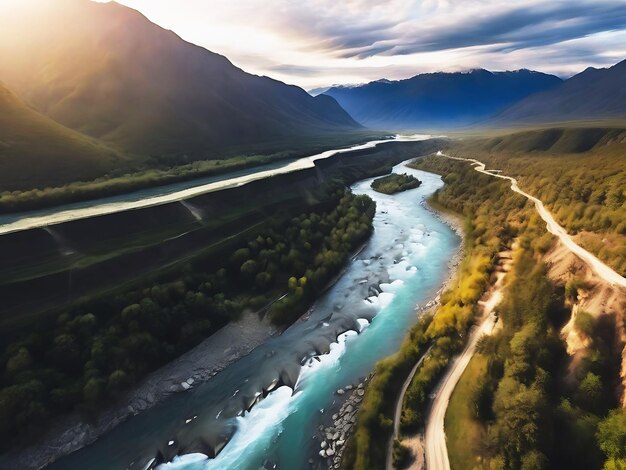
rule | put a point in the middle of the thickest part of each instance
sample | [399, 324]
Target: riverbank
[206, 360]
[456, 223]
[229, 344]
[336, 425]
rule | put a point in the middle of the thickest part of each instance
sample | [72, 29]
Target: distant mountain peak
[595, 93]
[439, 99]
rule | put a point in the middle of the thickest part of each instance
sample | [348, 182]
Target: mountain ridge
[120, 78]
[52, 153]
[439, 98]
[592, 94]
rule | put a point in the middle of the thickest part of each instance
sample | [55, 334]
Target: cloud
[321, 42]
[504, 28]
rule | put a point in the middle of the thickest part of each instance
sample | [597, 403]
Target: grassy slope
[464, 433]
[36, 151]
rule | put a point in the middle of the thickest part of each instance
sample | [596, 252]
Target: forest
[529, 408]
[87, 355]
[587, 195]
[523, 398]
[395, 183]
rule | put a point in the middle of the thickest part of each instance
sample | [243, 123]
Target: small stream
[287, 382]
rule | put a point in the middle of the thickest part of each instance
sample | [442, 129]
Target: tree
[93, 391]
[263, 280]
[611, 437]
[249, 269]
[20, 361]
[590, 392]
[117, 381]
[534, 460]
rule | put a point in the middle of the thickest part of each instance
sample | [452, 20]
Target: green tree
[590, 392]
[19, 362]
[93, 391]
[612, 439]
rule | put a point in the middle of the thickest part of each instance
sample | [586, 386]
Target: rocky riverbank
[214, 354]
[232, 342]
[332, 435]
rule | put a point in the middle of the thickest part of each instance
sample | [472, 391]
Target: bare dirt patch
[598, 297]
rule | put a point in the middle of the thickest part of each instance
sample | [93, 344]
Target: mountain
[35, 151]
[106, 71]
[318, 91]
[439, 99]
[592, 94]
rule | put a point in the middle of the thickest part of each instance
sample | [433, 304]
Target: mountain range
[480, 98]
[591, 94]
[106, 71]
[88, 88]
[435, 100]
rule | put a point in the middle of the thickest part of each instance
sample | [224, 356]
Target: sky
[317, 43]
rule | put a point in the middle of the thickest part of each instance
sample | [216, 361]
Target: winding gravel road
[434, 436]
[598, 267]
[436, 452]
[398, 411]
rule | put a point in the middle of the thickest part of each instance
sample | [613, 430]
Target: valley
[366, 265]
[418, 264]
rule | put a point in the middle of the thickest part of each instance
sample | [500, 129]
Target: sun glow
[325, 42]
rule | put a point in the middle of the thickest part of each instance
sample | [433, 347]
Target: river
[157, 195]
[402, 266]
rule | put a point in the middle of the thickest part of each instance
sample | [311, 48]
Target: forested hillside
[531, 402]
[579, 175]
[85, 356]
[35, 151]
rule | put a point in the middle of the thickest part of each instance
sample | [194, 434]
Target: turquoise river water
[358, 321]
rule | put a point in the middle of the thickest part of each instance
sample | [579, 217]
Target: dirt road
[601, 269]
[398, 410]
[434, 435]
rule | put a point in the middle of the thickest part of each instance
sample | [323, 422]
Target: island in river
[395, 183]
[304, 192]
[359, 320]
